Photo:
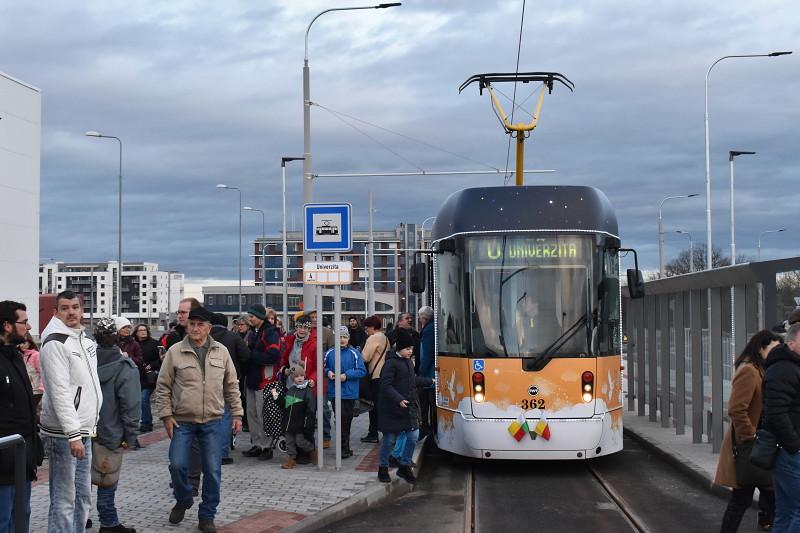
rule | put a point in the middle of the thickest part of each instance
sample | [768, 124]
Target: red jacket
[308, 354]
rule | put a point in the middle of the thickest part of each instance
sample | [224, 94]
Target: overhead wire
[376, 141]
[340, 114]
[513, 100]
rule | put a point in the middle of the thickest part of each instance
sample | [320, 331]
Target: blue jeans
[106, 507]
[326, 419]
[208, 436]
[227, 432]
[70, 486]
[388, 440]
[147, 414]
[7, 493]
[786, 479]
[399, 445]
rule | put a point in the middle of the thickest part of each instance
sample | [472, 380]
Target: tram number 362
[533, 403]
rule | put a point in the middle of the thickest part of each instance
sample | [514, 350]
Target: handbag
[150, 378]
[365, 383]
[747, 473]
[106, 465]
[765, 449]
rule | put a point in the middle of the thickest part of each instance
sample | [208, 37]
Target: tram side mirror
[635, 283]
[418, 278]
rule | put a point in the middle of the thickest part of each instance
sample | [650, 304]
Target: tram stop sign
[328, 228]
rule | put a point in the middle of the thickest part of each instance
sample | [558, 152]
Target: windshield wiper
[556, 345]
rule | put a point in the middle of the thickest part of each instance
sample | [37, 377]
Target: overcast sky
[210, 92]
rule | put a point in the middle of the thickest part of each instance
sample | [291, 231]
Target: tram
[526, 294]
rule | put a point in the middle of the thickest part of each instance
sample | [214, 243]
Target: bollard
[18, 443]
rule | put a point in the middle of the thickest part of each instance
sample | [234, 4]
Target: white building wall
[20, 150]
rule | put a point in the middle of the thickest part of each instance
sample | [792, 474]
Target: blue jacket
[352, 367]
[427, 348]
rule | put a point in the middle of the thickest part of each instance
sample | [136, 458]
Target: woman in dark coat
[398, 407]
[148, 372]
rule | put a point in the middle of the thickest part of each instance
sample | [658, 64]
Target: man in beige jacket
[196, 380]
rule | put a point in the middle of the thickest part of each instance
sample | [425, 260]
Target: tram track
[473, 501]
[637, 524]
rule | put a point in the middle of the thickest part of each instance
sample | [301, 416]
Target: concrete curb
[680, 463]
[360, 502]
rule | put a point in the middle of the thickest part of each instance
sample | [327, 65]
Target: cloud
[208, 94]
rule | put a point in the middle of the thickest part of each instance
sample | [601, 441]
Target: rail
[685, 333]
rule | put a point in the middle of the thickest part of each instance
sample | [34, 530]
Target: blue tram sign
[327, 228]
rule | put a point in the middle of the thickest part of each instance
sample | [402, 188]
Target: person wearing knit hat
[300, 419]
[352, 370]
[258, 311]
[399, 408]
[265, 354]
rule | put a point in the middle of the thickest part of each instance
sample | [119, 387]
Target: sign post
[328, 228]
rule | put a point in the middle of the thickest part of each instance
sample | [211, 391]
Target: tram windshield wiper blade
[556, 345]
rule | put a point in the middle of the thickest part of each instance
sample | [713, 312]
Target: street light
[284, 160]
[731, 155]
[709, 248]
[691, 249]
[307, 167]
[263, 257]
[661, 231]
[223, 186]
[764, 233]
[119, 220]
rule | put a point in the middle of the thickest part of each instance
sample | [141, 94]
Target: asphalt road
[548, 496]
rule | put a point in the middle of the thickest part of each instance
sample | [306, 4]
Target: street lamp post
[691, 249]
[308, 294]
[764, 233]
[709, 248]
[119, 220]
[731, 155]
[285, 278]
[237, 189]
[263, 255]
[661, 231]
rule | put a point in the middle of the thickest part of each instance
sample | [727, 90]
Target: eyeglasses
[183, 312]
[25, 322]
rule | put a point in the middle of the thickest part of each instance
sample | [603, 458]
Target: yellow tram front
[527, 306]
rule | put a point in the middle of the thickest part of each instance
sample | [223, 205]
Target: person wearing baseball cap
[197, 380]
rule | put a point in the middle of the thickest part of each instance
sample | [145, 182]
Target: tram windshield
[530, 294]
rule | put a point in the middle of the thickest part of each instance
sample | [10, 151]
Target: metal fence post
[631, 352]
[696, 330]
[641, 349]
[680, 366]
[652, 357]
[663, 322]
[715, 341]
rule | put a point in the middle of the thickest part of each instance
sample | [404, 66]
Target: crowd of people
[764, 405]
[82, 400]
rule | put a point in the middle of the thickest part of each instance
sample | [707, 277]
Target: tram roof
[535, 207]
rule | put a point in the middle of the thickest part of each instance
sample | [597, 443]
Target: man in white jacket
[70, 411]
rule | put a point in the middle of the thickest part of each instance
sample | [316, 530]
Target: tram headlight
[478, 387]
[587, 386]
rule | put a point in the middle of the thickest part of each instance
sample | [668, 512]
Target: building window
[229, 299]
[210, 299]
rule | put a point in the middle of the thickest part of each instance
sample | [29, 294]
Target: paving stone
[254, 493]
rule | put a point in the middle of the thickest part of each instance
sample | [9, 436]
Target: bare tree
[680, 265]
